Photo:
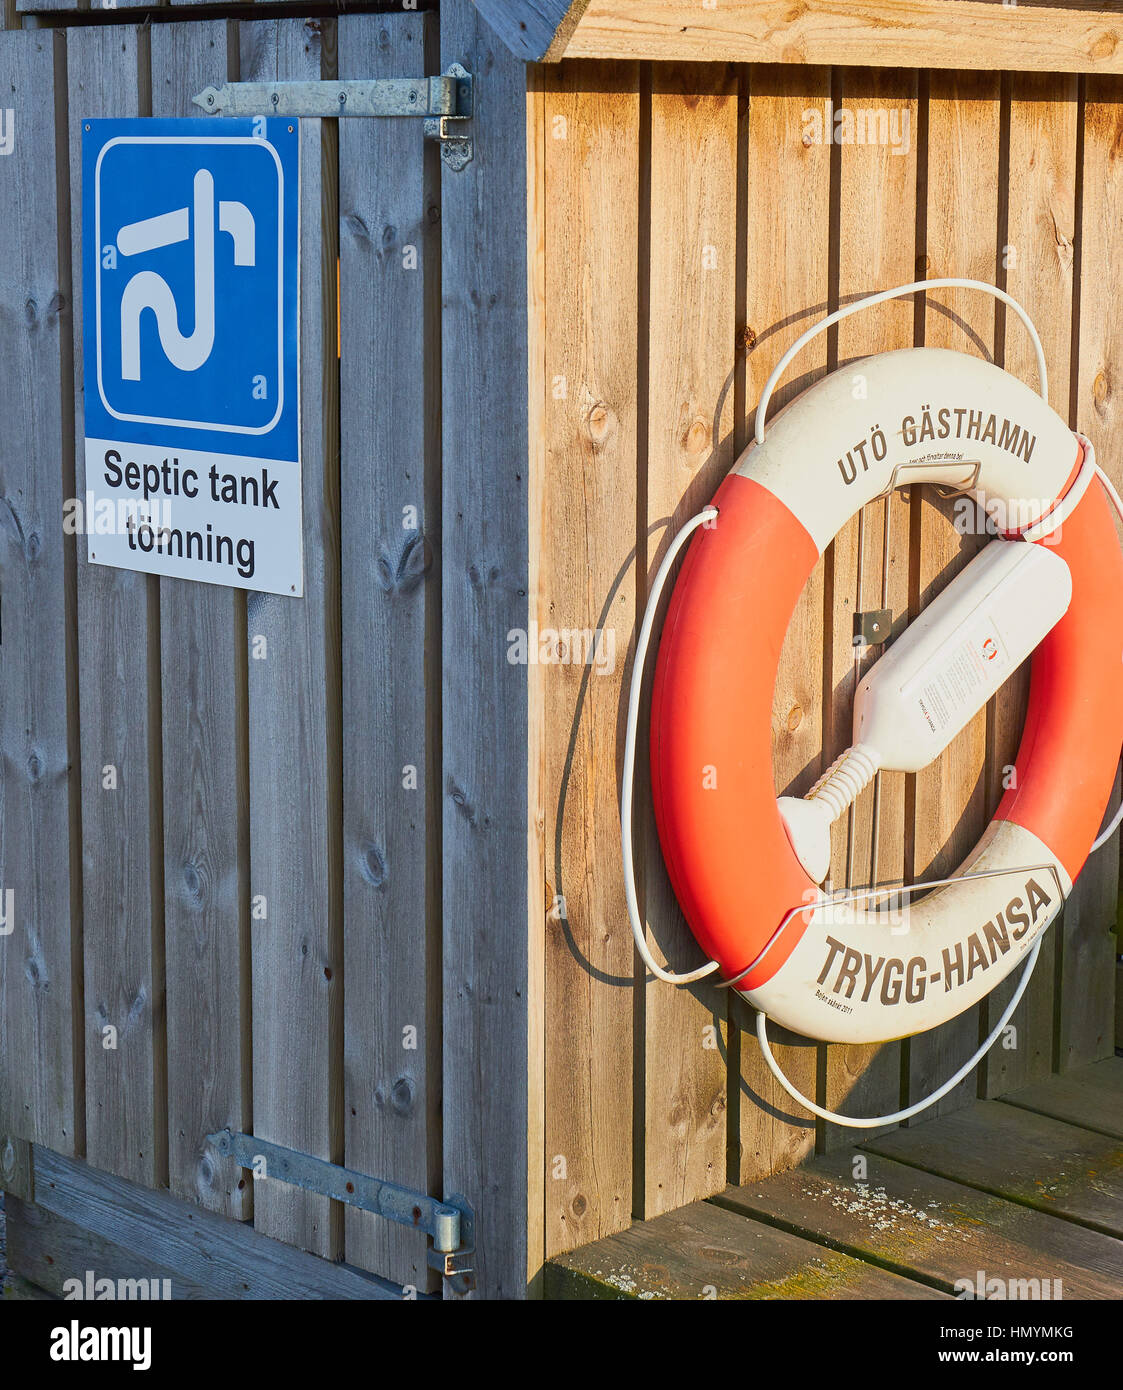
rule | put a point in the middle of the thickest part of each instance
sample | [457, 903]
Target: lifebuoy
[836, 970]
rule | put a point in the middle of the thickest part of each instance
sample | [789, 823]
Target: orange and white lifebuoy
[840, 970]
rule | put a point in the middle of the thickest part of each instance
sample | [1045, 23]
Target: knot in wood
[356, 226]
[402, 1095]
[600, 424]
[193, 882]
[1101, 391]
[696, 440]
[372, 866]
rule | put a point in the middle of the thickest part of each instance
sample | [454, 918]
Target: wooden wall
[250, 838]
[682, 232]
[693, 226]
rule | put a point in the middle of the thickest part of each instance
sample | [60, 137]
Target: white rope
[874, 1121]
[945, 283]
[1060, 511]
[707, 514]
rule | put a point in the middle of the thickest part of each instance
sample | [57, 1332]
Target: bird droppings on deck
[880, 1212]
[626, 1284]
[623, 1282]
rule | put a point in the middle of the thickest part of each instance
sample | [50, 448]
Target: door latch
[443, 103]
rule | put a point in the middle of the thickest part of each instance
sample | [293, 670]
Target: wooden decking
[1025, 1188]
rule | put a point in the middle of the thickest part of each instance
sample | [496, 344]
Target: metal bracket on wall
[872, 627]
[450, 1223]
[444, 103]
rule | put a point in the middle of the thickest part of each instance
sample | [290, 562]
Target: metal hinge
[444, 103]
[450, 1223]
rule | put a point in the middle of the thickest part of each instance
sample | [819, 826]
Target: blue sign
[191, 252]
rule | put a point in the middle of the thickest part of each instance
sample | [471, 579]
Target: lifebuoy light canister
[841, 971]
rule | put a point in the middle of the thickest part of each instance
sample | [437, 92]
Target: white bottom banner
[216, 518]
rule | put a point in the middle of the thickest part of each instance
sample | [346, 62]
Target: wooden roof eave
[534, 30]
[1038, 37]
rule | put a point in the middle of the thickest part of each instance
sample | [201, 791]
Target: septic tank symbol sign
[191, 261]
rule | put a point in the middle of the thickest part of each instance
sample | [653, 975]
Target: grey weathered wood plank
[1091, 1097]
[484, 720]
[294, 734]
[704, 1252]
[17, 1289]
[537, 789]
[59, 8]
[1013, 1153]
[17, 1173]
[35, 6]
[390, 490]
[50, 1251]
[533, 29]
[228, 1258]
[206, 829]
[40, 890]
[925, 1227]
[118, 649]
